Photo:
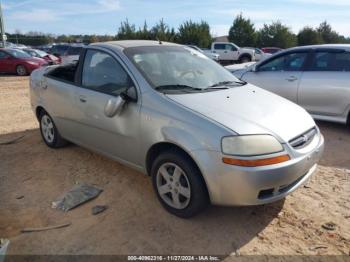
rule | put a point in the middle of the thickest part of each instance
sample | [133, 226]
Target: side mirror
[114, 106]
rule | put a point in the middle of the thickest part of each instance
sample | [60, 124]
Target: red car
[18, 61]
[271, 50]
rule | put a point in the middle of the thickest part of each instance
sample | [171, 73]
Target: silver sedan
[315, 77]
[173, 113]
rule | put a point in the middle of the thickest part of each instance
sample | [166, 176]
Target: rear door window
[331, 61]
[288, 62]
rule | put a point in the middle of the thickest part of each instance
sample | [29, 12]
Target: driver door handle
[291, 78]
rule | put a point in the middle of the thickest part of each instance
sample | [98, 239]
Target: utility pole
[2, 27]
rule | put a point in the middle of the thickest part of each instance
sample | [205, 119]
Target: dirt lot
[135, 223]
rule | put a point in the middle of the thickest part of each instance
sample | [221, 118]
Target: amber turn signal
[255, 162]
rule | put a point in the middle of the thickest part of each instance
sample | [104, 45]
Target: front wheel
[49, 132]
[21, 70]
[179, 184]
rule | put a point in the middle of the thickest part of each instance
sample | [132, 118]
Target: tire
[245, 59]
[49, 132]
[21, 70]
[179, 185]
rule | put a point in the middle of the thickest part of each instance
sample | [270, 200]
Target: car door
[325, 85]
[58, 92]
[219, 48]
[280, 74]
[6, 63]
[103, 78]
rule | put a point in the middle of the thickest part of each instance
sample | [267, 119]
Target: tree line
[242, 32]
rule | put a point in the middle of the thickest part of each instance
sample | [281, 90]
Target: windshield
[18, 53]
[41, 53]
[180, 68]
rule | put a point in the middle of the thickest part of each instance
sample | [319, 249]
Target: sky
[105, 16]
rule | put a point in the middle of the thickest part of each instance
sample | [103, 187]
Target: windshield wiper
[229, 83]
[176, 87]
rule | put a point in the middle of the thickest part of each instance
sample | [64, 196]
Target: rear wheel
[49, 132]
[179, 184]
[21, 70]
[245, 59]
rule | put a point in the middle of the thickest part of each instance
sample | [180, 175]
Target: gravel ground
[32, 176]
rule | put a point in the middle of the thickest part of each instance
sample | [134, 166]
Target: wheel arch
[38, 111]
[160, 147]
[245, 55]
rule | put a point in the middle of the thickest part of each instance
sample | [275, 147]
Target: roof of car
[135, 43]
[328, 46]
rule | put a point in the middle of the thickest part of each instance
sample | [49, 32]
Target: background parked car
[315, 77]
[231, 53]
[208, 53]
[71, 54]
[58, 50]
[271, 50]
[45, 48]
[259, 54]
[18, 61]
[51, 59]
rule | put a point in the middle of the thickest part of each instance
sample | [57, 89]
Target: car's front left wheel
[179, 184]
[21, 70]
[49, 132]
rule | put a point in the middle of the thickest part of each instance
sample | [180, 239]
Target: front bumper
[234, 185]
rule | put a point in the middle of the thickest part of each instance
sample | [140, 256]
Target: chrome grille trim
[304, 139]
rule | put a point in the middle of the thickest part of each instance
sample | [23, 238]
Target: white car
[208, 53]
[231, 53]
[259, 54]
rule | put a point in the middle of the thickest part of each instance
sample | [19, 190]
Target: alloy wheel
[173, 185]
[47, 128]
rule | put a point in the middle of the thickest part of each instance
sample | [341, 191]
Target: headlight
[250, 145]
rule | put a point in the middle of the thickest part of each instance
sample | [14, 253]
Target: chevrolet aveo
[172, 113]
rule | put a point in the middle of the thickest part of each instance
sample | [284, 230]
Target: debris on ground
[3, 247]
[19, 197]
[12, 141]
[78, 195]
[38, 229]
[314, 248]
[329, 226]
[98, 209]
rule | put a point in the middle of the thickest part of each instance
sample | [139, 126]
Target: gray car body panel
[324, 94]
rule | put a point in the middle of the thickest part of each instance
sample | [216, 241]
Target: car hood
[250, 110]
[35, 59]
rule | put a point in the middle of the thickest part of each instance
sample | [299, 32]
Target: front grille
[304, 139]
